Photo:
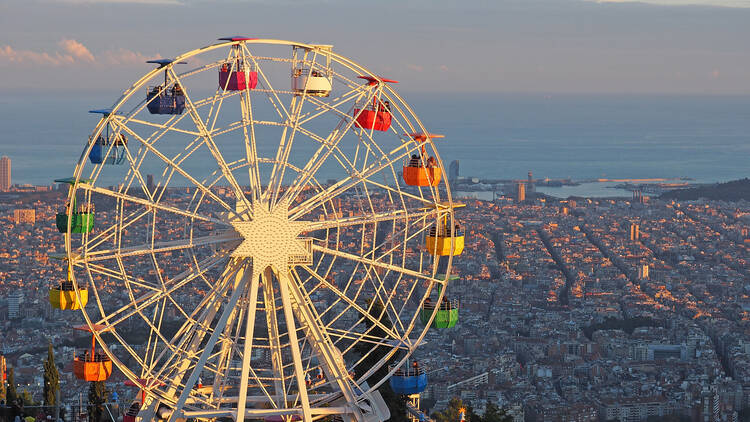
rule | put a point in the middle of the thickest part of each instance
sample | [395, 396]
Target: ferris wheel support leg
[324, 348]
[240, 281]
[151, 405]
[299, 371]
[248, 346]
[273, 338]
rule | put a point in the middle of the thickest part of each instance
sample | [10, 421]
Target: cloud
[77, 50]
[414, 67]
[716, 3]
[9, 54]
[71, 53]
[126, 57]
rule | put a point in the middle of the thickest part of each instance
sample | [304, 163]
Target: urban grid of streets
[567, 311]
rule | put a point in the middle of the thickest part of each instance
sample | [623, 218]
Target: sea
[493, 136]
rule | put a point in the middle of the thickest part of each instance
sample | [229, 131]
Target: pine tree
[11, 394]
[2, 389]
[51, 378]
[97, 397]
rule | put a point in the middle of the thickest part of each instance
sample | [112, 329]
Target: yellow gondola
[63, 296]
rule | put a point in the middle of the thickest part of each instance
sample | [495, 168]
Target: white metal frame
[253, 327]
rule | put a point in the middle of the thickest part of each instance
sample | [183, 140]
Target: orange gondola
[422, 170]
[92, 365]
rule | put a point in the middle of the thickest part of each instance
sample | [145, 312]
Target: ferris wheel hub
[270, 238]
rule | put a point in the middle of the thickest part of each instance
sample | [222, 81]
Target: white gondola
[311, 74]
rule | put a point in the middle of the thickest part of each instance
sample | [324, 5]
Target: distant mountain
[729, 191]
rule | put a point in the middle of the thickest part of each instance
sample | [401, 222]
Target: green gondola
[447, 312]
[82, 220]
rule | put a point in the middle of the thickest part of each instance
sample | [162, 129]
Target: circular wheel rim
[83, 253]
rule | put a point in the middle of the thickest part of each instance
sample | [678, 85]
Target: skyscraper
[530, 183]
[521, 192]
[634, 232]
[453, 172]
[5, 174]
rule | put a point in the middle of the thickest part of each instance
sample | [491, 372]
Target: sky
[489, 46]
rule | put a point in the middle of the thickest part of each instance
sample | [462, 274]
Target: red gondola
[376, 116]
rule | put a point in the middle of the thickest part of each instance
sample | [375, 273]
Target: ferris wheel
[261, 230]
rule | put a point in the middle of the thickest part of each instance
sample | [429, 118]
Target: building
[634, 232]
[5, 180]
[638, 197]
[14, 304]
[634, 409]
[150, 182]
[25, 216]
[521, 192]
[643, 272]
[453, 172]
[530, 183]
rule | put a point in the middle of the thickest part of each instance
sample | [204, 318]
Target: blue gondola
[102, 152]
[163, 99]
[108, 148]
[410, 381]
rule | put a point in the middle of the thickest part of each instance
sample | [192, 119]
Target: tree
[11, 394]
[2, 388]
[97, 397]
[28, 399]
[51, 378]
[396, 403]
[451, 413]
[495, 414]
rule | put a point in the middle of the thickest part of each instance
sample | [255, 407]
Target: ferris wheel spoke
[211, 145]
[351, 303]
[148, 299]
[274, 339]
[402, 193]
[384, 296]
[251, 147]
[248, 343]
[163, 126]
[161, 247]
[151, 204]
[194, 324]
[285, 147]
[117, 274]
[271, 93]
[376, 217]
[286, 300]
[109, 233]
[319, 339]
[323, 107]
[355, 178]
[180, 170]
[328, 147]
[372, 262]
